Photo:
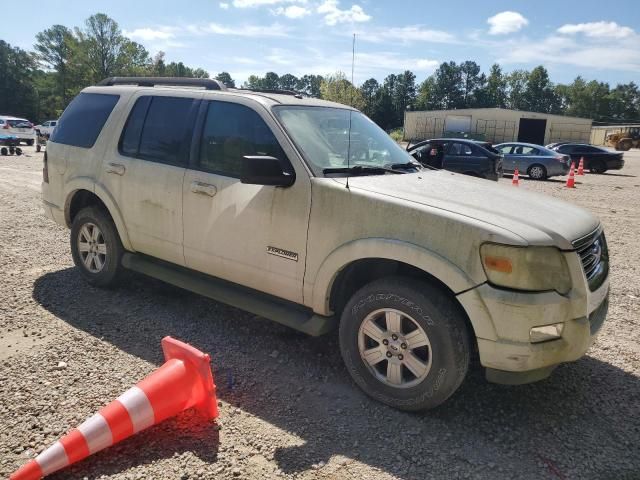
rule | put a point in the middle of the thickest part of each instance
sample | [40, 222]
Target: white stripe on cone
[52, 459]
[97, 433]
[139, 408]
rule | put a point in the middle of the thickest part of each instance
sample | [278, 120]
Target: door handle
[203, 188]
[116, 168]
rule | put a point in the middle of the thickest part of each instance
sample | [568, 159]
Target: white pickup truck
[305, 212]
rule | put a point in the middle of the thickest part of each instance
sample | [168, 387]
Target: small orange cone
[516, 178]
[571, 181]
[581, 166]
[184, 381]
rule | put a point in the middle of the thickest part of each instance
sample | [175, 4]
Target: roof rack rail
[206, 83]
[293, 93]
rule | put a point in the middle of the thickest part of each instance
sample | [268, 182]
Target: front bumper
[502, 321]
[615, 164]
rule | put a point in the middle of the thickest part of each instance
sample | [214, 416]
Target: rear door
[146, 171]
[461, 157]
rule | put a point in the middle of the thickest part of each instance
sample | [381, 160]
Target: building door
[532, 130]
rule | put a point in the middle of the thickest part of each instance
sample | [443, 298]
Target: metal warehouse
[496, 125]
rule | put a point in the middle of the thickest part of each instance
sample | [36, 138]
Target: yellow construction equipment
[626, 138]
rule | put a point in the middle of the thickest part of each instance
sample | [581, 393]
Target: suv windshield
[322, 135]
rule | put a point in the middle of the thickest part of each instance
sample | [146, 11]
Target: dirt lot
[288, 407]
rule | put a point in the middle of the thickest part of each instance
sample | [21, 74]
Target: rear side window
[230, 132]
[158, 129]
[83, 119]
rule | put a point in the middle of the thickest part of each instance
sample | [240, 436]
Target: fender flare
[86, 183]
[432, 263]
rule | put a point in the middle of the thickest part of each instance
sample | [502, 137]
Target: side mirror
[264, 170]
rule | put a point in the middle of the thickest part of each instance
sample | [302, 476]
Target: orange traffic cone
[571, 181]
[184, 381]
[581, 166]
[516, 178]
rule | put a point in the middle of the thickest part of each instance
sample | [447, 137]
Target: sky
[595, 39]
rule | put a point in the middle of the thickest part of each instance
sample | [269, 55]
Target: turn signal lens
[499, 264]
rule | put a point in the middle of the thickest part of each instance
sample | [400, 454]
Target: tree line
[39, 84]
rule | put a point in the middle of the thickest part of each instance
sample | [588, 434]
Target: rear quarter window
[83, 119]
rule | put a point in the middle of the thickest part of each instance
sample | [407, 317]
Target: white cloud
[506, 22]
[597, 29]
[224, 5]
[292, 11]
[260, 3]
[622, 55]
[150, 34]
[275, 30]
[334, 15]
[409, 34]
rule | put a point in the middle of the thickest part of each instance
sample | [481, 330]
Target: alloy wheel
[92, 247]
[395, 348]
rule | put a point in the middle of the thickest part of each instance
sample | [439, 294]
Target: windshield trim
[315, 170]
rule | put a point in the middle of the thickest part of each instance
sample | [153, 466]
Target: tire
[598, 166]
[4, 151]
[104, 268]
[30, 143]
[443, 358]
[537, 172]
[18, 151]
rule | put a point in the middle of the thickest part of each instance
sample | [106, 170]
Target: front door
[253, 235]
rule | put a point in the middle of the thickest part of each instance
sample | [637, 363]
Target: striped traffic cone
[581, 166]
[184, 381]
[516, 178]
[571, 181]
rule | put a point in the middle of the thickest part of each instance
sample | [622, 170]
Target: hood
[537, 219]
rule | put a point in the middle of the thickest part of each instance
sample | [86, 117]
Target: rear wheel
[404, 343]
[4, 151]
[96, 247]
[537, 172]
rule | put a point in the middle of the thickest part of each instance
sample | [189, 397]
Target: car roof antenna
[353, 58]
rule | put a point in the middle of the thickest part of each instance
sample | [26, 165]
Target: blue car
[536, 161]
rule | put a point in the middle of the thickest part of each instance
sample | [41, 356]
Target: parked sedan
[18, 127]
[478, 159]
[596, 159]
[533, 160]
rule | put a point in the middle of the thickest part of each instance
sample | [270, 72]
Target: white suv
[47, 127]
[18, 127]
[305, 212]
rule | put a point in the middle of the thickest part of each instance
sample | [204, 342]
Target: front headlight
[526, 268]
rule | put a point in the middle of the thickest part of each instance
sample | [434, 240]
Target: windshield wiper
[361, 170]
[405, 166]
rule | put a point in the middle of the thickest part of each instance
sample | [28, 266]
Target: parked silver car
[533, 160]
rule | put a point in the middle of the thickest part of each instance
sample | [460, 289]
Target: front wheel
[537, 172]
[405, 343]
[96, 247]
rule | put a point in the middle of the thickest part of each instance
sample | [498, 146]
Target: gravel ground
[288, 408]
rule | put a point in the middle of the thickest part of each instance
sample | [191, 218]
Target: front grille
[594, 255]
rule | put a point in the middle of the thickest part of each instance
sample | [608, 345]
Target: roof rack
[206, 83]
[293, 93]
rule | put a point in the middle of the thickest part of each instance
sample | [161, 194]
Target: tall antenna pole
[353, 61]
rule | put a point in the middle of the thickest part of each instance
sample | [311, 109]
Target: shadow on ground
[562, 426]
